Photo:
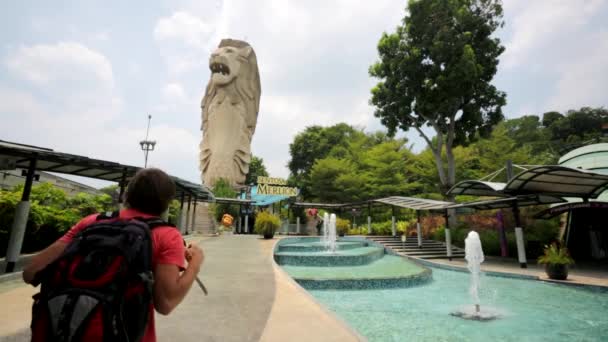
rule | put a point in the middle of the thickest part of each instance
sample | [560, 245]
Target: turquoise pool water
[532, 311]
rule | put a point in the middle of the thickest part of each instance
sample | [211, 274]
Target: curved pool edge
[506, 274]
[303, 292]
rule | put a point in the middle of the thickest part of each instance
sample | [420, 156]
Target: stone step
[430, 249]
[413, 243]
[204, 222]
[442, 256]
[417, 250]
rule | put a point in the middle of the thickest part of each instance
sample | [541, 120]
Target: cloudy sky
[82, 76]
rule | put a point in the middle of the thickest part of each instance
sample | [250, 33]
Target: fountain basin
[317, 246]
[349, 257]
[388, 272]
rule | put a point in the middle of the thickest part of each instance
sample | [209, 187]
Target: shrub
[342, 226]
[52, 213]
[266, 223]
[381, 228]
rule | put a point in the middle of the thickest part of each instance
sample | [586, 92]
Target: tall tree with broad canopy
[436, 71]
[256, 169]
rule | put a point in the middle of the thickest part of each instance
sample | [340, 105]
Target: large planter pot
[557, 271]
[268, 236]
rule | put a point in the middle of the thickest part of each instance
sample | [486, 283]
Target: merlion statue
[230, 111]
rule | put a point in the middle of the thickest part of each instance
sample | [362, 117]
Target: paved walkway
[250, 299]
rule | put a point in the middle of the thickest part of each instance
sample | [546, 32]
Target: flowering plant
[312, 212]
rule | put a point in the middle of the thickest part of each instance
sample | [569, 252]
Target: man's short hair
[150, 191]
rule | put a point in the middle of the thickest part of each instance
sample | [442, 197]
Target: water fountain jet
[474, 257]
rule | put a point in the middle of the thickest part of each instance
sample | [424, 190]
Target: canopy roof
[13, 155]
[562, 208]
[551, 180]
[225, 200]
[498, 203]
[478, 188]
[264, 200]
[398, 201]
[558, 181]
[414, 203]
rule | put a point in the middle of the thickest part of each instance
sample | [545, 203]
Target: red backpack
[100, 288]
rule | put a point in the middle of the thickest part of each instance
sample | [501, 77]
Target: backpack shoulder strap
[154, 222]
[108, 215]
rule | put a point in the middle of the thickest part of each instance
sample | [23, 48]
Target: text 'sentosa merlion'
[229, 113]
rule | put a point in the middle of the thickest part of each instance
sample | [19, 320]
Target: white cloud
[85, 114]
[540, 24]
[44, 64]
[174, 92]
[184, 27]
[582, 81]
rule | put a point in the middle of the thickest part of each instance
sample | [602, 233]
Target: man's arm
[170, 287]
[42, 259]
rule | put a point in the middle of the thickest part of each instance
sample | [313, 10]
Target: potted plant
[266, 224]
[556, 260]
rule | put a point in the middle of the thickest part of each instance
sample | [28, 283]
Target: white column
[15, 241]
[246, 224]
[298, 225]
[369, 225]
[193, 220]
[393, 226]
[521, 249]
[448, 243]
[419, 233]
[187, 225]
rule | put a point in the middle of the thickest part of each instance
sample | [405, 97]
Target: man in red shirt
[148, 195]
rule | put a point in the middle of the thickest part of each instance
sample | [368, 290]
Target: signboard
[275, 186]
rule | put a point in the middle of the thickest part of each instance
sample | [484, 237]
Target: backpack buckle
[148, 279]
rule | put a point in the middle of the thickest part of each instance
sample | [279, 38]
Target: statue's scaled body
[229, 113]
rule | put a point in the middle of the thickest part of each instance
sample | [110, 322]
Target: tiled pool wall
[367, 284]
[310, 259]
[293, 247]
[350, 284]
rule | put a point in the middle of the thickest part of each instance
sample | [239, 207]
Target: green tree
[436, 70]
[256, 168]
[223, 189]
[550, 117]
[315, 142]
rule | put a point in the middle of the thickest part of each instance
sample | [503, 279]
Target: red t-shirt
[167, 245]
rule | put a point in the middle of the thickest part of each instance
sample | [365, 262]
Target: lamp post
[147, 145]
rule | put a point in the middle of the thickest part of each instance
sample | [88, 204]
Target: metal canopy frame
[20, 155]
[558, 181]
[397, 201]
[501, 203]
[566, 207]
[552, 180]
[415, 203]
[478, 188]
[225, 200]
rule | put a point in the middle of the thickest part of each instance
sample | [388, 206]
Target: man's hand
[194, 255]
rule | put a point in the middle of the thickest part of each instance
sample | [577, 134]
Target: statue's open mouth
[219, 68]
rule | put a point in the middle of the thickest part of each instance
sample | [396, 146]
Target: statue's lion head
[234, 63]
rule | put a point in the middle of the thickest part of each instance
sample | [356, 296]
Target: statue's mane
[247, 83]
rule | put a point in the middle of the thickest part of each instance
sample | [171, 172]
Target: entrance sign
[275, 186]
